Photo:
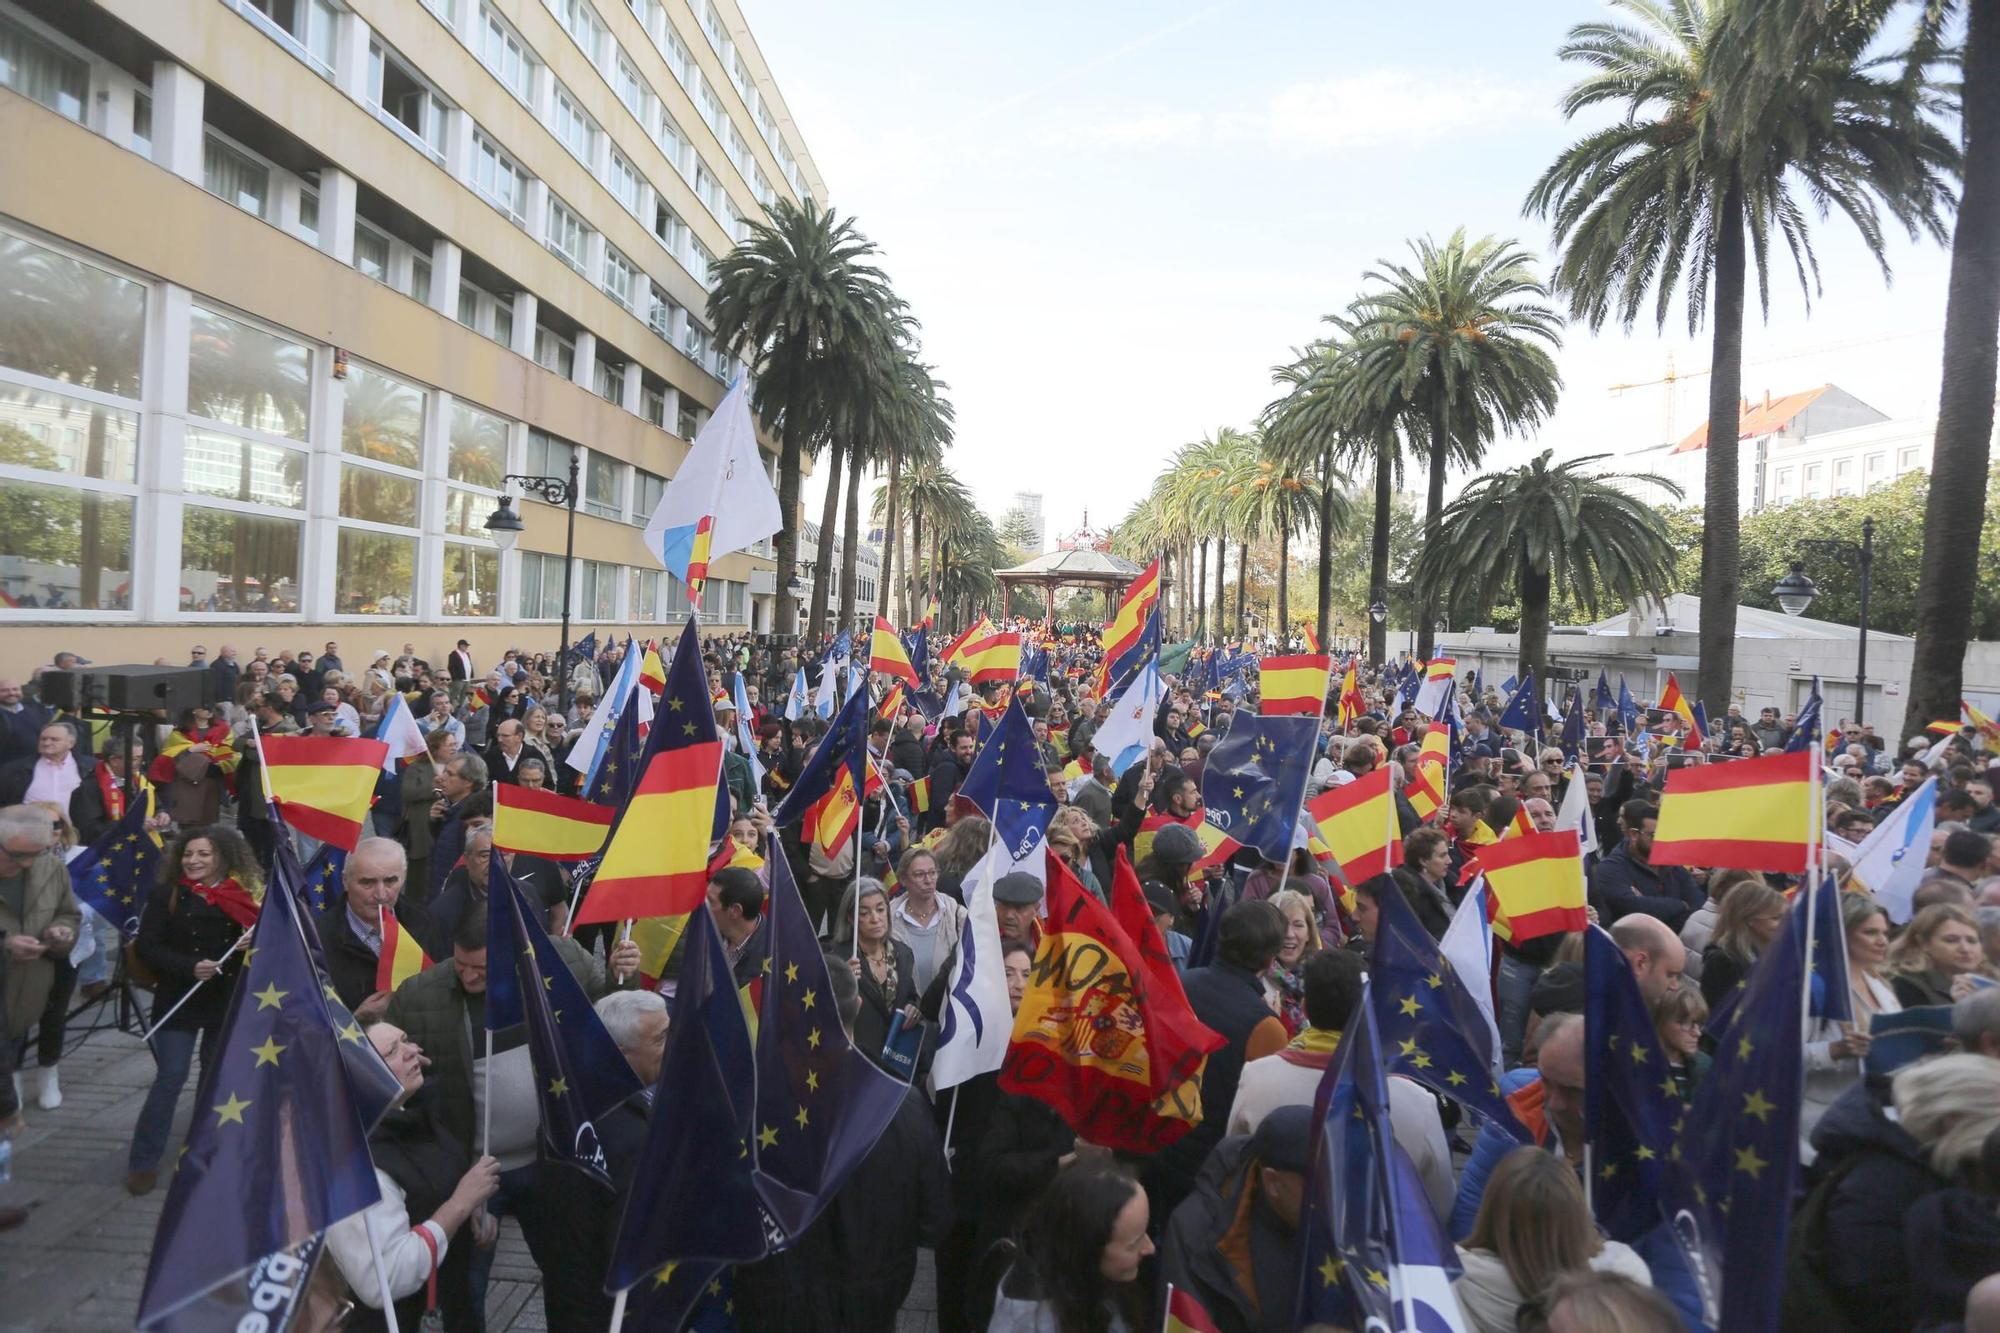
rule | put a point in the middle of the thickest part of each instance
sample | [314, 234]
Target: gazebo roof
[1079, 564]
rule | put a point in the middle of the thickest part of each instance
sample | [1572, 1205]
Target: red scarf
[112, 791]
[228, 897]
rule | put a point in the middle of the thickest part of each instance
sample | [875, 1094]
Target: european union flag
[1008, 784]
[322, 882]
[115, 873]
[1805, 729]
[584, 649]
[1700, 733]
[1631, 1107]
[1524, 710]
[1433, 1032]
[1144, 649]
[1572, 733]
[845, 743]
[278, 1149]
[1255, 780]
[692, 1297]
[693, 1197]
[1371, 1251]
[1732, 1172]
[1604, 702]
[619, 769]
[1832, 998]
[843, 644]
[580, 1074]
[916, 646]
[1628, 712]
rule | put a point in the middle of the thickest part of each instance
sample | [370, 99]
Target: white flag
[746, 734]
[800, 698]
[399, 729]
[1889, 863]
[823, 697]
[1468, 945]
[1576, 813]
[1127, 734]
[978, 1019]
[588, 751]
[721, 500]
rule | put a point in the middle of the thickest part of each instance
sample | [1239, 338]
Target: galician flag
[1128, 733]
[721, 500]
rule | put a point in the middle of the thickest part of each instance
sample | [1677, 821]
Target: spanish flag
[652, 674]
[930, 613]
[1359, 824]
[1293, 685]
[1537, 883]
[886, 655]
[997, 657]
[1185, 1314]
[971, 634]
[1754, 814]
[1521, 825]
[920, 795]
[892, 703]
[834, 818]
[1426, 790]
[1129, 622]
[1987, 727]
[324, 784]
[400, 959]
[548, 824]
[1312, 639]
[655, 862]
[1673, 701]
[1216, 846]
[1353, 703]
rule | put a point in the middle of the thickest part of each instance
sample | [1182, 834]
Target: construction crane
[1667, 381]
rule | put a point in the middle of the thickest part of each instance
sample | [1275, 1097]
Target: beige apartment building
[288, 287]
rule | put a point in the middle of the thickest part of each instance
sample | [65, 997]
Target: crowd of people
[1033, 1229]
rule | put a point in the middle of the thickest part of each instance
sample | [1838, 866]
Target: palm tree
[1540, 528]
[1682, 190]
[918, 423]
[936, 499]
[1275, 497]
[797, 301]
[1463, 335]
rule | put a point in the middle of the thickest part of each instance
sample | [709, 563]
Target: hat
[322, 707]
[1020, 889]
[1177, 842]
[1283, 1139]
[1160, 898]
[380, 653]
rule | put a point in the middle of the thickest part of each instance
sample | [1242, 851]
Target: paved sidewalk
[80, 1260]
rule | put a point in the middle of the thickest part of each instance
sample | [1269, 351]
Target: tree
[919, 425]
[1463, 336]
[1539, 529]
[1689, 188]
[1272, 496]
[798, 303]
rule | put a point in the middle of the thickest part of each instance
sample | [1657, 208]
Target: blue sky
[1112, 219]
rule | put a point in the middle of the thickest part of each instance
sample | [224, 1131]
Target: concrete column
[522, 339]
[458, 146]
[634, 386]
[156, 527]
[320, 557]
[112, 116]
[593, 258]
[537, 210]
[584, 372]
[178, 93]
[350, 56]
[337, 193]
[446, 261]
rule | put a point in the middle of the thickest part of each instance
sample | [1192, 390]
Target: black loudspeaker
[171, 690]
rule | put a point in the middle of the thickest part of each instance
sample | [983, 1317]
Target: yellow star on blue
[230, 1112]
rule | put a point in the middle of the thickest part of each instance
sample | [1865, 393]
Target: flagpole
[486, 1111]
[189, 993]
[950, 1120]
[618, 1312]
[381, 1275]
[1167, 1314]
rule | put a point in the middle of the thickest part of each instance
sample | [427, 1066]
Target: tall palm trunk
[823, 557]
[850, 542]
[1221, 588]
[885, 582]
[913, 587]
[1284, 616]
[1427, 610]
[1378, 551]
[1242, 586]
[1535, 591]
[937, 565]
[1323, 605]
[1721, 575]
[1201, 591]
[790, 466]
[1955, 510]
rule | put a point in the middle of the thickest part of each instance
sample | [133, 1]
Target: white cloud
[1382, 106]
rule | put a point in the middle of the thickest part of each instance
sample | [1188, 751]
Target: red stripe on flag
[1743, 853]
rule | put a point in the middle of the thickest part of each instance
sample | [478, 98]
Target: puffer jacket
[1492, 1303]
[47, 902]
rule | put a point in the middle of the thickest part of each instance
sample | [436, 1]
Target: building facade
[1028, 504]
[867, 575]
[288, 287]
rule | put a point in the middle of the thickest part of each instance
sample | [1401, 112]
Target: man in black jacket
[1233, 1243]
[52, 766]
[461, 783]
[1627, 881]
[350, 930]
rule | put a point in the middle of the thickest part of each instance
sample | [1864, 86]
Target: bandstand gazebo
[1082, 559]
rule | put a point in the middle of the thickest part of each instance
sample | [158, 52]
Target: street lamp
[1378, 610]
[1796, 591]
[505, 525]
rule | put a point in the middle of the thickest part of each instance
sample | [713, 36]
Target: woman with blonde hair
[1284, 983]
[960, 849]
[1533, 1230]
[1700, 928]
[1834, 1051]
[1937, 957]
[1750, 919]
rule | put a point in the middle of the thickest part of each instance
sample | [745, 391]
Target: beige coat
[49, 902]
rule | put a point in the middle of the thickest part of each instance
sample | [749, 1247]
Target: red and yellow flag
[1216, 846]
[1426, 790]
[1352, 702]
[652, 672]
[1129, 622]
[892, 703]
[886, 654]
[657, 862]
[1185, 1314]
[1312, 639]
[1673, 701]
[971, 634]
[548, 824]
[1096, 1038]
[1537, 882]
[920, 795]
[1754, 814]
[401, 958]
[1359, 824]
[324, 785]
[1293, 685]
[997, 657]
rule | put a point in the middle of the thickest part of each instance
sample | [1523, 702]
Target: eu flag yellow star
[802, 1117]
[558, 1087]
[1638, 1054]
[1749, 1162]
[666, 1273]
[230, 1111]
[767, 1137]
[791, 971]
[1409, 1005]
[1755, 1104]
[812, 1039]
[268, 1053]
[812, 1080]
[808, 998]
[1330, 1270]
[270, 997]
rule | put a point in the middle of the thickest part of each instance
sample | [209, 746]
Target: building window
[495, 176]
[645, 596]
[669, 228]
[42, 71]
[1906, 459]
[420, 279]
[653, 406]
[673, 143]
[485, 313]
[382, 419]
[576, 131]
[41, 431]
[306, 27]
[646, 492]
[1876, 463]
[471, 580]
[547, 455]
[554, 352]
[465, 512]
[1843, 469]
[64, 549]
[620, 278]
[376, 575]
[609, 382]
[67, 320]
[232, 467]
[675, 52]
[600, 591]
[625, 184]
[687, 421]
[604, 486]
[709, 191]
[567, 234]
[371, 251]
[582, 23]
[243, 564]
[699, 263]
[541, 586]
[405, 101]
[477, 452]
[505, 54]
[229, 173]
[375, 496]
[695, 343]
[632, 90]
